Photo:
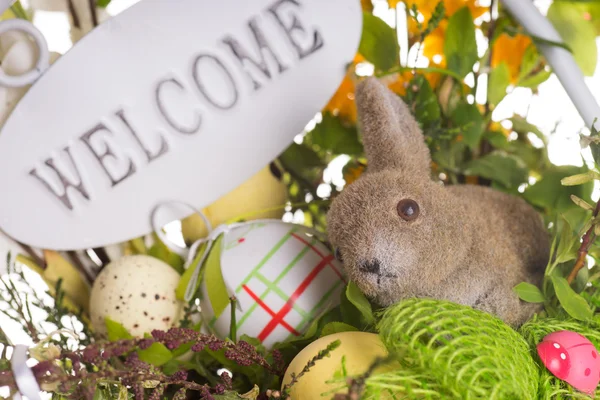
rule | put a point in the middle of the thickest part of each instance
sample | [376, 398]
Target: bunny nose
[371, 267]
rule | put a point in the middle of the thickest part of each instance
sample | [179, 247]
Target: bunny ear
[391, 136]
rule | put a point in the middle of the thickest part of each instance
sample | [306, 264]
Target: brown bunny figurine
[399, 234]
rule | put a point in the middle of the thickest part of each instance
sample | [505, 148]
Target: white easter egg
[282, 277]
[138, 292]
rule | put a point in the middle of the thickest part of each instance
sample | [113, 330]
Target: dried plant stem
[73, 12]
[94, 12]
[77, 263]
[320, 355]
[586, 243]
[33, 255]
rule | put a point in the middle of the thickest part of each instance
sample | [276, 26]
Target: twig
[233, 323]
[94, 13]
[79, 265]
[586, 243]
[320, 355]
[73, 12]
[486, 147]
[33, 255]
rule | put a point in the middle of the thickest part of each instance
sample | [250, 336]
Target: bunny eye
[408, 209]
[338, 255]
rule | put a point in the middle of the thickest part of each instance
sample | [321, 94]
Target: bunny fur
[469, 244]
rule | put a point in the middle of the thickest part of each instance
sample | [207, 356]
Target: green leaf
[564, 252]
[577, 32]
[498, 83]
[187, 275]
[379, 43]
[157, 354]
[469, 119]
[115, 330]
[595, 144]
[529, 293]
[532, 73]
[337, 327]
[573, 304]
[215, 284]
[460, 46]
[523, 127]
[102, 3]
[162, 252]
[580, 179]
[333, 136]
[358, 299]
[298, 158]
[535, 80]
[502, 168]
[550, 194]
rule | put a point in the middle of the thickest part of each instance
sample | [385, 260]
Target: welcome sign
[170, 100]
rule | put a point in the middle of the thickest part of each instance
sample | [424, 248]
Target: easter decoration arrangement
[297, 199]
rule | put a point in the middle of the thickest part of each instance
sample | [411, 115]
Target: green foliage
[498, 83]
[470, 121]
[103, 3]
[157, 354]
[529, 293]
[460, 46]
[505, 169]
[162, 252]
[379, 44]
[333, 136]
[578, 33]
[115, 331]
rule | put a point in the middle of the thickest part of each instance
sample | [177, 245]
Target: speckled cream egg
[138, 292]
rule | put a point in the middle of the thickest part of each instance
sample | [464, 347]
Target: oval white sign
[170, 100]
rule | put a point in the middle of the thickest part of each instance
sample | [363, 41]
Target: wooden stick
[73, 12]
[79, 265]
[92, 4]
[586, 243]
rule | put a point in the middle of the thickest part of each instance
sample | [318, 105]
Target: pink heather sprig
[80, 380]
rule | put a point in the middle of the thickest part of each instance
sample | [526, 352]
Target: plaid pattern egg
[282, 276]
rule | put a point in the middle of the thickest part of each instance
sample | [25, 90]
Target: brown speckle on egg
[145, 313]
[156, 297]
[143, 294]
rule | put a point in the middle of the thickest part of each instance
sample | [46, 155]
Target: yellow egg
[263, 191]
[139, 293]
[360, 350]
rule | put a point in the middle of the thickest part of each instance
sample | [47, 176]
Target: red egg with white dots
[571, 357]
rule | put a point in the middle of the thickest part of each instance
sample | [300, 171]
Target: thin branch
[33, 255]
[73, 12]
[586, 243]
[94, 12]
[74, 258]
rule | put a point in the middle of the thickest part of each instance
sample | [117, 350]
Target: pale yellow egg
[262, 192]
[137, 292]
[359, 350]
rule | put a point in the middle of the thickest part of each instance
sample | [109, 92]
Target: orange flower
[511, 51]
[353, 171]
[433, 45]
